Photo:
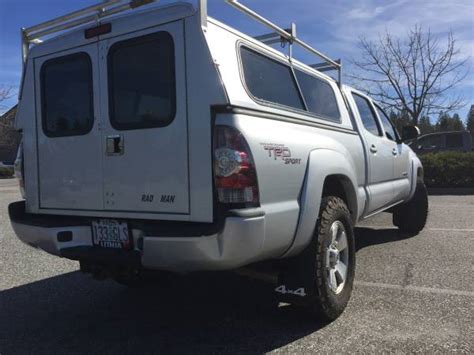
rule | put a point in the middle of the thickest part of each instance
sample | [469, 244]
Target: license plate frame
[111, 234]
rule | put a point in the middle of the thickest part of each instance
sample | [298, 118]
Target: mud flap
[297, 277]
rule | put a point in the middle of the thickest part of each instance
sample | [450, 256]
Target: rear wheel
[321, 277]
[411, 216]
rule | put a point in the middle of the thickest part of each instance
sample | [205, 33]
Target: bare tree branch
[415, 75]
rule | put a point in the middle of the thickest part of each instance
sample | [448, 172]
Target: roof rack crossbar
[323, 66]
[289, 36]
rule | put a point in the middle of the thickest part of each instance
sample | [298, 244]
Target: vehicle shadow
[209, 313]
[202, 313]
[366, 237]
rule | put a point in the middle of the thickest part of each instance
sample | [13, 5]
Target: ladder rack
[33, 34]
[279, 34]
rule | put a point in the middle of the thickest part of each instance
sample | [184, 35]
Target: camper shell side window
[275, 83]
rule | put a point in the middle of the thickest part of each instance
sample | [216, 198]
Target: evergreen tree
[470, 121]
[425, 125]
[443, 122]
[456, 123]
[447, 123]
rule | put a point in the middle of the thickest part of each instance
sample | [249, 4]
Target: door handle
[394, 151]
[115, 145]
[373, 149]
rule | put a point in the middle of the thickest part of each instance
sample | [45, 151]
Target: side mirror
[410, 132]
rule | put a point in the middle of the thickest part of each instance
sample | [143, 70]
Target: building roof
[9, 116]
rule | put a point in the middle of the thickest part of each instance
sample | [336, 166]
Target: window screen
[270, 80]
[66, 90]
[319, 96]
[367, 115]
[142, 84]
[390, 130]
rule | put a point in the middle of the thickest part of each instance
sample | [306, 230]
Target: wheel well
[341, 186]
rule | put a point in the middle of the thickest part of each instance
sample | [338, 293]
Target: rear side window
[319, 96]
[142, 84]
[270, 80]
[367, 115]
[66, 95]
[390, 130]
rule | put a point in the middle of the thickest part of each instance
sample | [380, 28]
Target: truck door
[68, 135]
[400, 156]
[379, 151]
[145, 135]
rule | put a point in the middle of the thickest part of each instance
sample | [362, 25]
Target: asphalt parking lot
[411, 295]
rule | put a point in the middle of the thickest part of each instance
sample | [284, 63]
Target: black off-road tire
[309, 269]
[411, 216]
[327, 303]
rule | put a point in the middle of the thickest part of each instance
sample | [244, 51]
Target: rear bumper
[236, 242]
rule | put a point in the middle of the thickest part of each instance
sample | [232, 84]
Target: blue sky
[331, 26]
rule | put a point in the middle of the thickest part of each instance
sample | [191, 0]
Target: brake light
[234, 169]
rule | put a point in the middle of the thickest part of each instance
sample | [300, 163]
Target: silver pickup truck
[162, 139]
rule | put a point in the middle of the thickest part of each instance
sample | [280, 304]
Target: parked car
[180, 144]
[443, 141]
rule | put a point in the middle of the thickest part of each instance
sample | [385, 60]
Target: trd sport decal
[280, 151]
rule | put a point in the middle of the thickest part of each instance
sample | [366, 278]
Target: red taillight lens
[234, 169]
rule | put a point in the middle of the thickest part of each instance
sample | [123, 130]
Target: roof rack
[279, 34]
[33, 34]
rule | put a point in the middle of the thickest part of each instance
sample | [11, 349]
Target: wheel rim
[337, 257]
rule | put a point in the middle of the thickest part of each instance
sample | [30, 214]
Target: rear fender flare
[321, 164]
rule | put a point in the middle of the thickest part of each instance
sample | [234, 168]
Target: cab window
[367, 115]
[389, 129]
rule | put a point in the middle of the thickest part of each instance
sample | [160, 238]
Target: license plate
[109, 233]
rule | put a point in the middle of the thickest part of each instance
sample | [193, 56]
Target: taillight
[20, 170]
[234, 169]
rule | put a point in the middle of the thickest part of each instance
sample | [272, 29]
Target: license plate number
[109, 233]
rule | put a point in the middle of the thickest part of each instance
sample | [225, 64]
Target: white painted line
[451, 229]
[425, 229]
[442, 291]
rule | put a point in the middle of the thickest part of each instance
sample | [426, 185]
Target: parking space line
[442, 291]
[452, 229]
[470, 230]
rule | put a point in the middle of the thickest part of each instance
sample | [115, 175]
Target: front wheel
[411, 216]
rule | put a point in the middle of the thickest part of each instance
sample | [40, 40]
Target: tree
[414, 75]
[5, 94]
[425, 125]
[470, 121]
[447, 123]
